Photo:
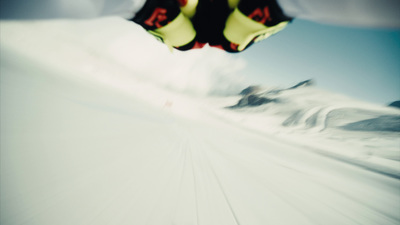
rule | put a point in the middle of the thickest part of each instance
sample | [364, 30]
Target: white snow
[95, 132]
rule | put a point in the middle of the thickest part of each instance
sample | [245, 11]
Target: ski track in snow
[76, 151]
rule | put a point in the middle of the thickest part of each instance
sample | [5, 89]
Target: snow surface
[92, 134]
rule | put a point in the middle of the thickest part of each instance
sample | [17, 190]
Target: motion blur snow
[92, 132]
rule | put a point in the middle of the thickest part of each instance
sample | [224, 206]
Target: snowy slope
[347, 129]
[87, 138]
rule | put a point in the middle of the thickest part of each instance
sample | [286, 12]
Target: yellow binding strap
[190, 8]
[241, 30]
[177, 33]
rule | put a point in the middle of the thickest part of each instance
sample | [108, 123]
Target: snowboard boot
[252, 21]
[165, 21]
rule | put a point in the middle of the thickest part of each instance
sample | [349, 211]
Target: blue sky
[360, 62]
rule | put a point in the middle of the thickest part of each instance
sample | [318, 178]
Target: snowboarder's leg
[254, 20]
[165, 20]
